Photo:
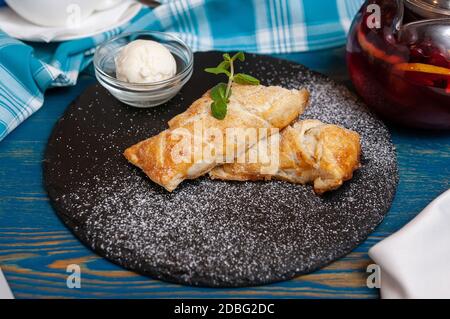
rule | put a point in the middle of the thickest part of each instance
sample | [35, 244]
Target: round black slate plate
[212, 233]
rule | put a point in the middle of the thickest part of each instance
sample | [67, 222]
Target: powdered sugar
[206, 232]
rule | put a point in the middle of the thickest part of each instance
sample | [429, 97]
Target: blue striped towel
[262, 26]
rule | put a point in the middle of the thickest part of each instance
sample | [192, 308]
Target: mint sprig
[221, 93]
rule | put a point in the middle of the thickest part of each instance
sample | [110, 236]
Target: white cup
[58, 13]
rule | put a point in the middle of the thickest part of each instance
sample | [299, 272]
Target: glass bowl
[143, 95]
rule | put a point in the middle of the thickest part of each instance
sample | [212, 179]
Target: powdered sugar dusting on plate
[213, 233]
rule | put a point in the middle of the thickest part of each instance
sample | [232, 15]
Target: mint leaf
[220, 99]
[242, 78]
[219, 109]
[224, 65]
[218, 92]
[221, 93]
[240, 56]
[217, 70]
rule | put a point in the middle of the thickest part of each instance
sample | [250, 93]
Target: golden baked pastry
[176, 153]
[309, 152]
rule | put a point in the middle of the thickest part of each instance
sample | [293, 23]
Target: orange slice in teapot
[424, 74]
[372, 50]
[422, 67]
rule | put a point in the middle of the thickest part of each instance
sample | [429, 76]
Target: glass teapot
[398, 56]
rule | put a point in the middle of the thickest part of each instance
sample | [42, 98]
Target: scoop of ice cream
[145, 61]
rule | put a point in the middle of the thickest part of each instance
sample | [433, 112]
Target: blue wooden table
[35, 247]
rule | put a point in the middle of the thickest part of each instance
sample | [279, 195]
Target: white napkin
[18, 27]
[5, 292]
[415, 261]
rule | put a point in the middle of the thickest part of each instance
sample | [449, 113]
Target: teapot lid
[429, 8]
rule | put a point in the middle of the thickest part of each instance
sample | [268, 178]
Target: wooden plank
[35, 247]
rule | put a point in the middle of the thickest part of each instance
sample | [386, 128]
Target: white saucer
[99, 22]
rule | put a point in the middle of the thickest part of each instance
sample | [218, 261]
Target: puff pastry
[165, 163]
[309, 152]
